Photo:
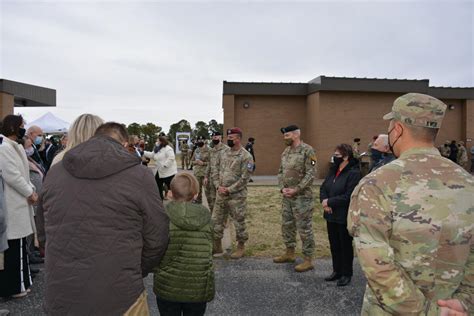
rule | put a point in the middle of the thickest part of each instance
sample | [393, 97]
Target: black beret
[217, 134]
[289, 128]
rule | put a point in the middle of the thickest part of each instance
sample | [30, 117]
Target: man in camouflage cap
[235, 166]
[295, 177]
[412, 220]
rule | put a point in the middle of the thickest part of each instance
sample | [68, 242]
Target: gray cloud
[163, 61]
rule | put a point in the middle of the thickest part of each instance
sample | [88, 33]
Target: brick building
[330, 111]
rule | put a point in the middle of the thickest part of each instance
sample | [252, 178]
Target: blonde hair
[81, 130]
[184, 187]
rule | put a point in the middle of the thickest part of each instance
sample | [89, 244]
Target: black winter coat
[338, 191]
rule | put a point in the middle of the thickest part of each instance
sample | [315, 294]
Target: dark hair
[114, 130]
[163, 140]
[345, 150]
[356, 140]
[11, 125]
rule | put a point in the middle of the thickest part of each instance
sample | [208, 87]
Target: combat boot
[305, 266]
[239, 253]
[289, 256]
[217, 248]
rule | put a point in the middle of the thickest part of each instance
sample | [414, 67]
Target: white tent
[50, 124]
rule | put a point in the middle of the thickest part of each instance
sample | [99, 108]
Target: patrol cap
[201, 138]
[289, 128]
[418, 110]
[216, 133]
[234, 130]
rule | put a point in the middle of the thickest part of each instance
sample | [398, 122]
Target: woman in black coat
[335, 194]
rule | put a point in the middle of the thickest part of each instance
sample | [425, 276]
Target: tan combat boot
[239, 253]
[217, 248]
[289, 256]
[305, 266]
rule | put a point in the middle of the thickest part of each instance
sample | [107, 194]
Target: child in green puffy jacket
[184, 281]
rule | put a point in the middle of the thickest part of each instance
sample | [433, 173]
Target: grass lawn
[264, 224]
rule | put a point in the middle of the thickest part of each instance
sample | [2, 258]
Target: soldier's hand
[451, 308]
[205, 181]
[290, 192]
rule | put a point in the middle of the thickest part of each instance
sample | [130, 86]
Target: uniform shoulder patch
[250, 166]
[313, 159]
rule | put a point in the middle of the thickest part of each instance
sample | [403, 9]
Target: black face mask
[200, 144]
[391, 145]
[230, 143]
[216, 141]
[376, 154]
[21, 133]
[337, 161]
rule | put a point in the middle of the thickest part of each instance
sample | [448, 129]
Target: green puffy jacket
[186, 273]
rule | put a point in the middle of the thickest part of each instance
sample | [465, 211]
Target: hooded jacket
[186, 273]
[104, 226]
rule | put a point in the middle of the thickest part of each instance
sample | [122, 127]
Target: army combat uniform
[184, 148]
[233, 173]
[413, 222]
[202, 154]
[297, 170]
[213, 167]
[462, 155]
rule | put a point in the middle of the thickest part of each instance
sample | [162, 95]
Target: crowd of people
[94, 210]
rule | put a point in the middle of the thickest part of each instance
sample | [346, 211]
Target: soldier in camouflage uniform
[235, 166]
[445, 150]
[200, 160]
[184, 148]
[295, 177]
[213, 167]
[462, 155]
[413, 220]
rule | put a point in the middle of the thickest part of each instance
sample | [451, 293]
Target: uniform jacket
[413, 223]
[186, 272]
[297, 169]
[104, 226]
[165, 161]
[213, 166]
[17, 189]
[201, 153]
[234, 170]
[338, 191]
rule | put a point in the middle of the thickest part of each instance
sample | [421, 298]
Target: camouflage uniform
[462, 156]
[297, 170]
[233, 173]
[213, 166]
[184, 148]
[412, 222]
[202, 154]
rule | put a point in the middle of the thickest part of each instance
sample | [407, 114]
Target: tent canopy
[50, 124]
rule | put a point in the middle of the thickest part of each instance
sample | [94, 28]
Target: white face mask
[29, 151]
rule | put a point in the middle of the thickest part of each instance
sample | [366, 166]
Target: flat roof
[28, 95]
[323, 83]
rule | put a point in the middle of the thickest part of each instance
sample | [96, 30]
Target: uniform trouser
[211, 196]
[297, 215]
[342, 252]
[184, 160]
[202, 188]
[236, 206]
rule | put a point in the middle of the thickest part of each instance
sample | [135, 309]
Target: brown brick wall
[263, 120]
[6, 104]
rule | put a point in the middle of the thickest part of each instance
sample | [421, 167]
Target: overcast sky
[159, 62]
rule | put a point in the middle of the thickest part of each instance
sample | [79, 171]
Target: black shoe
[250, 180]
[34, 270]
[36, 260]
[343, 281]
[333, 277]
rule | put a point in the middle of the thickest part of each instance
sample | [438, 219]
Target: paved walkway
[250, 286]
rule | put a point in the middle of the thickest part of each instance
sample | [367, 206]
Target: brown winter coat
[104, 226]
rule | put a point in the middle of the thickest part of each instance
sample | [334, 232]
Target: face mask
[376, 154]
[200, 144]
[21, 133]
[337, 160]
[216, 141]
[29, 151]
[392, 145]
[230, 143]
[288, 142]
[38, 140]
